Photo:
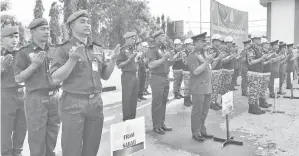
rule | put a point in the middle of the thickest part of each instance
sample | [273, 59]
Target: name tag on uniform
[95, 66]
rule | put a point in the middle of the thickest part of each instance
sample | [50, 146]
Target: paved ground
[263, 135]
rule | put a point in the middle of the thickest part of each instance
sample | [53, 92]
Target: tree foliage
[55, 29]
[39, 9]
[170, 29]
[163, 26]
[5, 5]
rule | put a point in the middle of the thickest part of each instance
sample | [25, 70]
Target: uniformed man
[199, 64]
[283, 64]
[147, 73]
[244, 67]
[141, 68]
[216, 72]
[227, 65]
[129, 79]
[13, 121]
[80, 64]
[177, 68]
[265, 49]
[41, 101]
[189, 48]
[159, 63]
[274, 68]
[290, 65]
[255, 60]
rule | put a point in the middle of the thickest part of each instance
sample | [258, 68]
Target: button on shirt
[41, 77]
[199, 84]
[124, 55]
[153, 54]
[83, 79]
[8, 77]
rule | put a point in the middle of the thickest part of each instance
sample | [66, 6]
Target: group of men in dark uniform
[32, 76]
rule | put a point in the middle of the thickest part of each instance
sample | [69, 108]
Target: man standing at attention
[80, 64]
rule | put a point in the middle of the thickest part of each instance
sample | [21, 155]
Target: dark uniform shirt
[219, 64]
[229, 63]
[41, 77]
[253, 53]
[153, 54]
[185, 54]
[8, 77]
[267, 66]
[274, 67]
[178, 64]
[199, 84]
[83, 79]
[290, 63]
[243, 59]
[124, 55]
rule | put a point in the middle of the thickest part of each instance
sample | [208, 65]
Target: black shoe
[254, 109]
[142, 98]
[207, 136]
[288, 87]
[198, 138]
[281, 93]
[214, 107]
[181, 96]
[272, 95]
[218, 105]
[159, 130]
[165, 128]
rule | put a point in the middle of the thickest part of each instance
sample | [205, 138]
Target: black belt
[45, 91]
[90, 96]
[13, 89]
[160, 74]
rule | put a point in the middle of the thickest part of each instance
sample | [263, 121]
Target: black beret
[37, 23]
[76, 15]
[9, 30]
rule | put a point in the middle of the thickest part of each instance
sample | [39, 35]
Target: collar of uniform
[76, 41]
[35, 46]
[5, 51]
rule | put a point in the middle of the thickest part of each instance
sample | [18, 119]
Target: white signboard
[127, 137]
[227, 103]
[276, 83]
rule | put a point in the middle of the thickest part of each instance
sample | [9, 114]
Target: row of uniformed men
[78, 64]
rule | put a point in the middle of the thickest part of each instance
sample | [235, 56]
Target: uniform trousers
[178, 78]
[255, 79]
[130, 86]
[216, 84]
[147, 76]
[282, 73]
[289, 79]
[186, 81]
[264, 84]
[160, 89]
[244, 82]
[236, 72]
[13, 121]
[226, 80]
[43, 121]
[142, 79]
[273, 76]
[82, 123]
[200, 110]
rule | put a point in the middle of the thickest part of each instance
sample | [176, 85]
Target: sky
[175, 9]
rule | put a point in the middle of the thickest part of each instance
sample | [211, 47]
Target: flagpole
[200, 18]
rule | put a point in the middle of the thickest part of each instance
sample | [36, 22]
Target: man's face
[217, 43]
[11, 41]
[190, 47]
[266, 46]
[275, 47]
[178, 46]
[200, 44]
[81, 26]
[290, 49]
[41, 33]
[257, 41]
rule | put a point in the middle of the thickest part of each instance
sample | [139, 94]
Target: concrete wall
[283, 20]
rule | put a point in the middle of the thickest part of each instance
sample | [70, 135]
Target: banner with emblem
[229, 21]
[127, 137]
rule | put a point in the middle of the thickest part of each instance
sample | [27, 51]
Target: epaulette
[65, 42]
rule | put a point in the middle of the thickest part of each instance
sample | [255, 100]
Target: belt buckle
[51, 93]
[91, 96]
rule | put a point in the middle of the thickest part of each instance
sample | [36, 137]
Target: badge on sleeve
[95, 66]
